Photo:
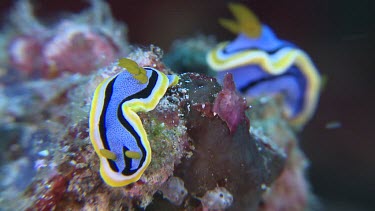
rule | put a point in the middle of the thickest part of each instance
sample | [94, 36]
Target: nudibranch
[262, 64]
[116, 131]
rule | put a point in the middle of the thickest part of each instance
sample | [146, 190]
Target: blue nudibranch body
[116, 131]
[263, 64]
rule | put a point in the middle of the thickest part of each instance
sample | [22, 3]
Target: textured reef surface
[211, 149]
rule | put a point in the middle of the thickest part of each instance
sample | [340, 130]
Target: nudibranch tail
[116, 131]
[173, 80]
[246, 21]
[312, 92]
[266, 65]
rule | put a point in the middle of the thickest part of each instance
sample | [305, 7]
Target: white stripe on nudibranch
[273, 63]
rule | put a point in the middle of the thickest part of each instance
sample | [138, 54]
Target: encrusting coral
[174, 190]
[208, 146]
[217, 199]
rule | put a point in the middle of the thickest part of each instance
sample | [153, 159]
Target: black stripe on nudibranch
[251, 84]
[143, 94]
[128, 161]
[102, 122]
[294, 72]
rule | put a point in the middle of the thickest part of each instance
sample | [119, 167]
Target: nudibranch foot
[173, 80]
[116, 131]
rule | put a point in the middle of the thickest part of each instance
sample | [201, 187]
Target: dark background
[340, 38]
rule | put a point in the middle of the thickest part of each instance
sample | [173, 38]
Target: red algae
[230, 106]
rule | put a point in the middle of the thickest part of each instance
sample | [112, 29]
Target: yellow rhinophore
[246, 21]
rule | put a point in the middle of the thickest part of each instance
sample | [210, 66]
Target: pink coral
[74, 48]
[289, 192]
[24, 53]
[77, 48]
[78, 44]
[229, 105]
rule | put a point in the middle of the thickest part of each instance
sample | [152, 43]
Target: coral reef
[206, 153]
[187, 140]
